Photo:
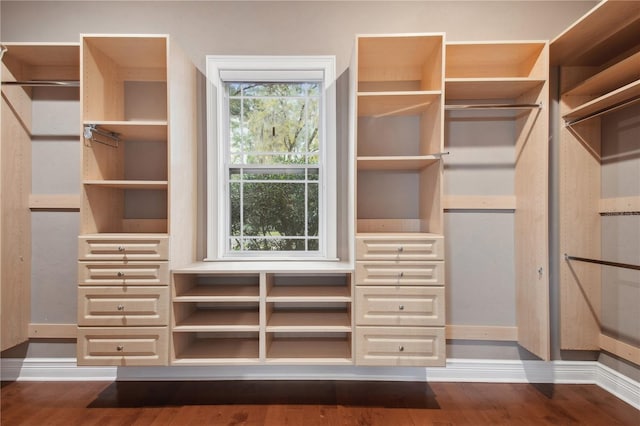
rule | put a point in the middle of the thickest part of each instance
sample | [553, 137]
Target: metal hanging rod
[441, 154]
[92, 130]
[570, 123]
[602, 262]
[492, 106]
[43, 83]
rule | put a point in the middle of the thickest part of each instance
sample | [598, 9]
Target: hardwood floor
[309, 403]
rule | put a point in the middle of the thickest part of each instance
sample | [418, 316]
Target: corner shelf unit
[500, 90]
[266, 314]
[599, 61]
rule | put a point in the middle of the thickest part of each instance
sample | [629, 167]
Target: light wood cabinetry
[261, 315]
[26, 68]
[399, 270]
[132, 140]
[599, 61]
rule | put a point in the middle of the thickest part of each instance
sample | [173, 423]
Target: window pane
[273, 244]
[234, 207]
[235, 89]
[313, 121]
[274, 209]
[235, 125]
[313, 174]
[313, 245]
[270, 174]
[312, 209]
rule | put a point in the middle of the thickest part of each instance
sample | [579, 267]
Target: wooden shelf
[610, 28]
[468, 202]
[219, 320]
[309, 293]
[381, 104]
[308, 320]
[219, 349]
[309, 350]
[128, 184]
[132, 52]
[45, 61]
[489, 88]
[610, 78]
[138, 130]
[406, 163]
[619, 205]
[609, 100]
[496, 60]
[220, 293]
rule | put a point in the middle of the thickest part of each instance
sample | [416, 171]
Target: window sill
[243, 265]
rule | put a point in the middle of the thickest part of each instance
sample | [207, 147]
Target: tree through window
[273, 165]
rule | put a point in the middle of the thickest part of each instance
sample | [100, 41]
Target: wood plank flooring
[309, 403]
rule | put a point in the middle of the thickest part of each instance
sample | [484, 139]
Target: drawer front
[127, 248]
[123, 346]
[394, 247]
[123, 306]
[400, 346]
[392, 273]
[407, 306]
[123, 273]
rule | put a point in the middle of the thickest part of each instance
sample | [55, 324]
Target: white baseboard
[457, 370]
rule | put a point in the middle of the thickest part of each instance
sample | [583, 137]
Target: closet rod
[43, 83]
[602, 262]
[493, 106]
[602, 111]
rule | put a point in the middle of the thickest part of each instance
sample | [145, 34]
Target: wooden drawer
[123, 306]
[126, 247]
[392, 273]
[400, 346]
[410, 306]
[400, 247]
[123, 273]
[123, 346]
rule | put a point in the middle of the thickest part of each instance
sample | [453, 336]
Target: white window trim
[252, 68]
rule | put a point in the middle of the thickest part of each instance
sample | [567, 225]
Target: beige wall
[239, 27]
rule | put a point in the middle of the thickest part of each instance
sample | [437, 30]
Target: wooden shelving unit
[132, 141]
[262, 316]
[599, 58]
[499, 88]
[24, 66]
[399, 145]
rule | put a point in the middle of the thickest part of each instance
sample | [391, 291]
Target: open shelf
[308, 288]
[396, 162]
[138, 130]
[292, 320]
[192, 348]
[128, 184]
[216, 288]
[324, 348]
[43, 61]
[124, 77]
[604, 102]
[609, 78]
[380, 104]
[391, 63]
[495, 60]
[489, 88]
[225, 317]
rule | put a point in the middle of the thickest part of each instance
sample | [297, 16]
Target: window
[271, 158]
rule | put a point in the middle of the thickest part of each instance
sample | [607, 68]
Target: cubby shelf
[219, 320]
[219, 293]
[309, 294]
[305, 320]
[309, 350]
[199, 348]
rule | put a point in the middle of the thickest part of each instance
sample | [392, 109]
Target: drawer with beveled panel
[123, 346]
[399, 247]
[125, 247]
[123, 306]
[400, 346]
[403, 306]
[130, 273]
[406, 273]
